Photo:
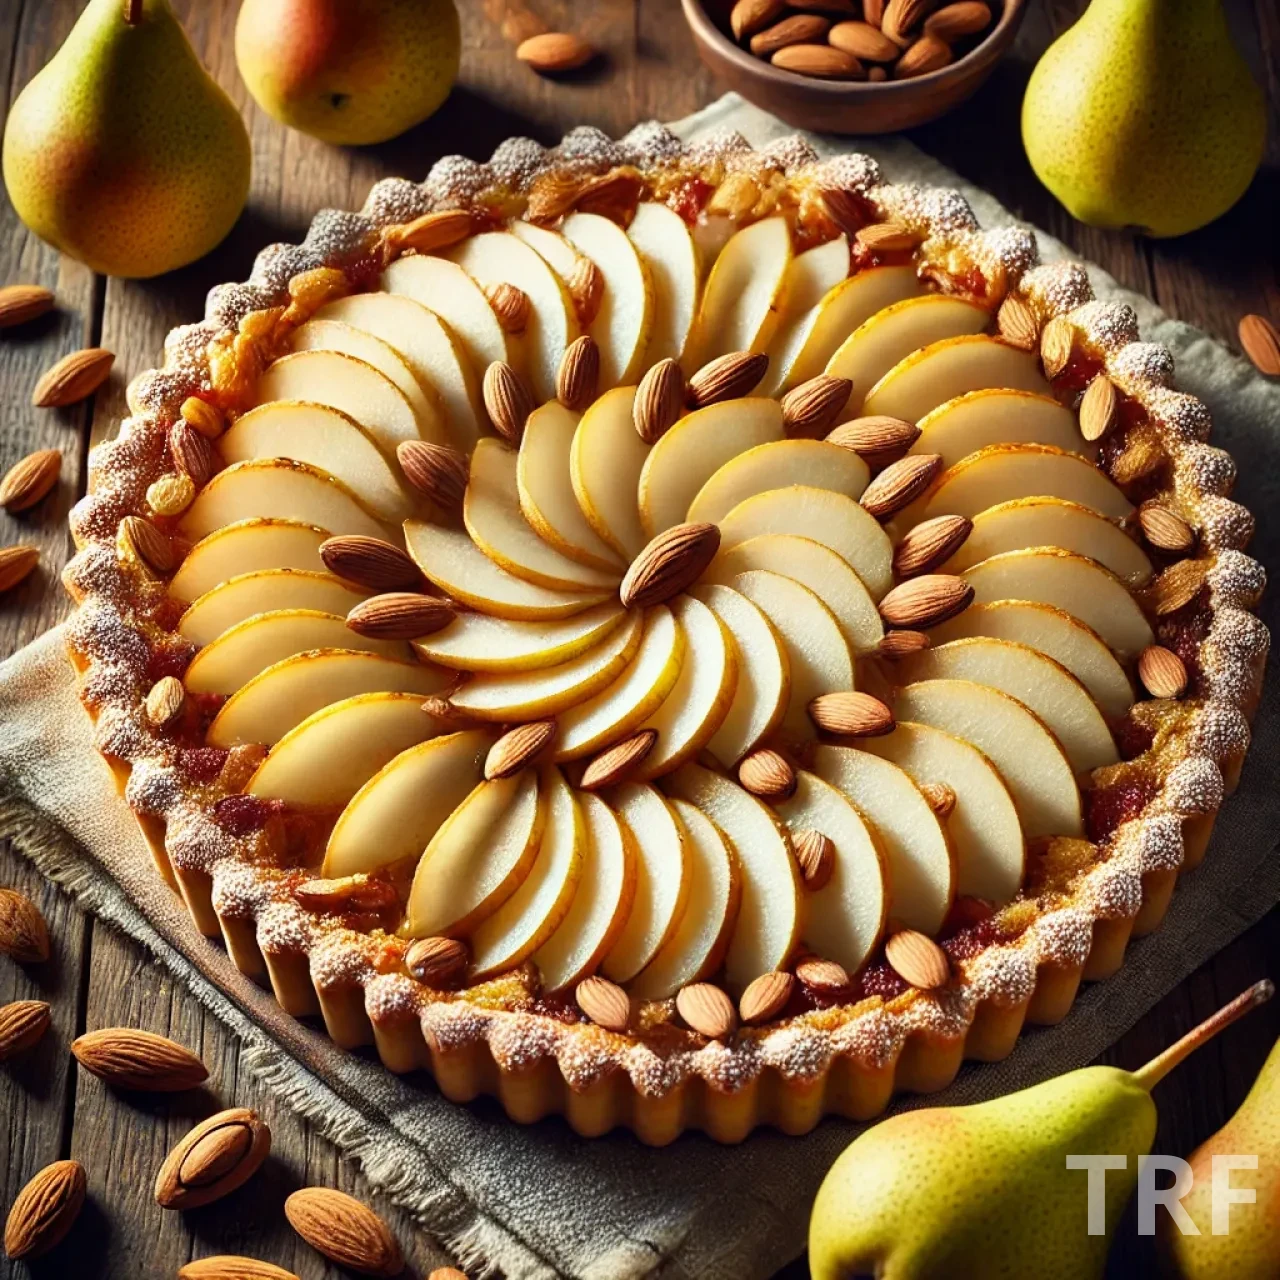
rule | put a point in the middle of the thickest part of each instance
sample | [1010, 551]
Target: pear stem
[133, 12]
[1159, 1067]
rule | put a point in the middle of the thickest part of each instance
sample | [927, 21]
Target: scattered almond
[1098, 408]
[137, 538]
[552, 195]
[924, 602]
[768, 774]
[659, 401]
[1056, 343]
[73, 378]
[439, 962]
[749, 16]
[844, 208]
[930, 545]
[578, 377]
[220, 1154]
[432, 231]
[1017, 324]
[437, 470]
[707, 1010]
[613, 195]
[863, 40]
[766, 997]
[901, 644]
[822, 975]
[901, 17]
[171, 494]
[586, 288]
[508, 399]
[358, 892]
[604, 1002]
[925, 55]
[23, 934]
[22, 1025]
[727, 377]
[1142, 454]
[369, 562]
[165, 702]
[344, 1230]
[400, 615]
[1162, 672]
[887, 237]
[15, 564]
[900, 484]
[554, 52]
[20, 303]
[810, 408]
[917, 959]
[672, 561]
[30, 480]
[511, 305]
[233, 1267]
[941, 798]
[877, 440]
[800, 28]
[1176, 586]
[206, 418]
[1261, 342]
[193, 453]
[1164, 529]
[851, 714]
[614, 765]
[955, 21]
[816, 857]
[518, 748]
[127, 1058]
[820, 61]
[45, 1210]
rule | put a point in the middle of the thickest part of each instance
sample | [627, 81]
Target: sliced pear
[605, 465]
[894, 332]
[996, 415]
[635, 695]
[915, 846]
[696, 448]
[742, 300]
[1072, 583]
[276, 489]
[428, 347]
[844, 919]
[671, 256]
[249, 593]
[327, 439]
[983, 825]
[663, 878]
[822, 516]
[354, 386]
[477, 642]
[774, 466]
[257, 643]
[764, 677]
[601, 905]
[810, 277]
[769, 911]
[1028, 756]
[533, 913]
[1065, 639]
[284, 695]
[546, 691]
[493, 518]
[458, 567]
[848, 305]
[498, 257]
[551, 246]
[247, 546]
[326, 759]
[1052, 522]
[394, 815]
[700, 699]
[544, 477]
[943, 370]
[479, 857]
[814, 566]
[447, 290]
[696, 948]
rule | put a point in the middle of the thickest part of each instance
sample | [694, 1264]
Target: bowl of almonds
[854, 66]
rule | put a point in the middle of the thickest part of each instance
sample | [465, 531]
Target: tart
[677, 636]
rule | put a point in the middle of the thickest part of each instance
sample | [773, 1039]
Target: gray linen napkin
[540, 1202]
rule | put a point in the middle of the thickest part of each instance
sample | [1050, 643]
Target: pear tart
[674, 636]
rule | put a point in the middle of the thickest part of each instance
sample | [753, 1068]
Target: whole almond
[955, 21]
[887, 237]
[851, 714]
[165, 702]
[439, 962]
[613, 195]
[707, 1010]
[809, 409]
[1056, 343]
[1098, 408]
[766, 997]
[749, 16]
[768, 774]
[369, 562]
[437, 470]
[941, 798]
[344, 1231]
[917, 959]
[358, 892]
[672, 561]
[508, 400]
[73, 378]
[1176, 586]
[22, 1025]
[924, 602]
[614, 765]
[1164, 529]
[903, 17]
[233, 1267]
[930, 545]
[518, 748]
[873, 11]
[138, 538]
[900, 484]
[727, 377]
[820, 61]
[604, 1002]
[1017, 324]
[432, 231]
[822, 975]
[864, 40]
[218, 1155]
[127, 1058]
[15, 564]
[1261, 343]
[846, 209]
[20, 303]
[901, 644]
[207, 418]
[659, 401]
[877, 74]
[552, 195]
[925, 55]
[511, 305]
[1162, 672]
[554, 52]
[816, 857]
[578, 377]
[193, 453]
[30, 480]
[400, 615]
[586, 288]
[23, 934]
[800, 28]
[1142, 454]
[45, 1210]
[877, 440]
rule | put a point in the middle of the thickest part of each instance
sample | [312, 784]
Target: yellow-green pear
[1144, 115]
[1249, 1246]
[122, 151]
[349, 71]
[985, 1190]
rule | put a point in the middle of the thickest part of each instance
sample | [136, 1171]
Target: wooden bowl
[846, 106]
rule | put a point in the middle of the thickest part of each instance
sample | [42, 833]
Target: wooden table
[96, 978]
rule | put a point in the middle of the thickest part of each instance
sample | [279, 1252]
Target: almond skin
[432, 231]
[45, 1210]
[22, 1025]
[138, 537]
[707, 1010]
[851, 714]
[864, 41]
[766, 997]
[1176, 586]
[727, 378]
[1261, 343]
[1098, 408]
[579, 374]
[902, 17]
[193, 452]
[930, 545]
[955, 21]
[554, 52]
[822, 975]
[127, 1058]
[924, 602]
[917, 959]
[586, 288]
[1164, 529]
[23, 934]
[887, 237]
[510, 305]
[1162, 672]
[614, 765]
[20, 303]
[518, 748]
[436, 470]
[809, 409]
[659, 401]
[345, 1231]
[672, 561]
[15, 564]
[357, 892]
[438, 962]
[800, 28]
[901, 644]
[941, 798]
[233, 1267]
[900, 484]
[1017, 324]
[73, 378]
[30, 480]
[220, 1154]
[877, 440]
[604, 1002]
[508, 400]
[400, 615]
[749, 16]
[767, 774]
[815, 856]
[925, 55]
[165, 702]
[820, 61]
[1056, 343]
[369, 562]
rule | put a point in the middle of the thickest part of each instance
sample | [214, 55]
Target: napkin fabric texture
[534, 1202]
